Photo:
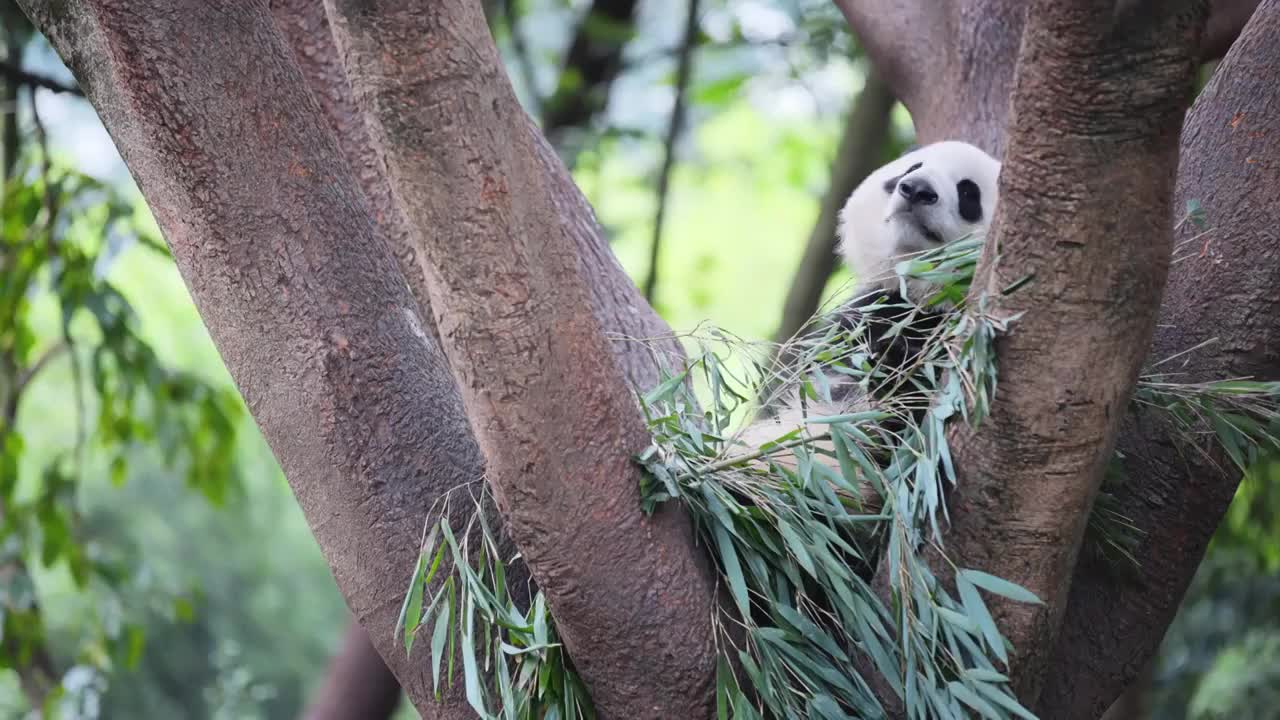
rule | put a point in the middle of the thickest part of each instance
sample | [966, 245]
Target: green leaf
[1001, 587]
[438, 637]
[970, 698]
[977, 610]
[411, 609]
[729, 558]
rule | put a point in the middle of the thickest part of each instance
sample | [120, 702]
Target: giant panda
[930, 196]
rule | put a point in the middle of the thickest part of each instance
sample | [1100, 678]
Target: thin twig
[51, 220]
[684, 69]
[14, 73]
[25, 378]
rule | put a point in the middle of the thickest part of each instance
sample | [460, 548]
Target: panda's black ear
[892, 183]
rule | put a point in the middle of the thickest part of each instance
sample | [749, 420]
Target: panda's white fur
[879, 226]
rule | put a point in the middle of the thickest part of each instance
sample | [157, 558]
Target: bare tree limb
[1029, 475]
[12, 71]
[543, 392]
[902, 38]
[859, 153]
[1227, 19]
[1221, 291]
[1160, 495]
[613, 296]
[684, 69]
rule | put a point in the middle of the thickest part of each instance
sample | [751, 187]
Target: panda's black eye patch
[970, 205]
[892, 183]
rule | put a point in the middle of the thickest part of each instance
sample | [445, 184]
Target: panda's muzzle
[917, 191]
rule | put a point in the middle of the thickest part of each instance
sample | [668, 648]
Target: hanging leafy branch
[59, 232]
[797, 525]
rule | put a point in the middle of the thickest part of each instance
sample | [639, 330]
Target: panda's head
[930, 196]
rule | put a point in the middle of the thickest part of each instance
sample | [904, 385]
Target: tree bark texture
[302, 293]
[547, 402]
[302, 282]
[1094, 262]
[1221, 291]
[1177, 513]
[952, 63]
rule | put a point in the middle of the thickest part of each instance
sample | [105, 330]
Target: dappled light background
[224, 604]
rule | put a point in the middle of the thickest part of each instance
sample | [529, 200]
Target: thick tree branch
[306, 26]
[858, 155]
[544, 394]
[1160, 495]
[1222, 290]
[301, 294]
[952, 63]
[1094, 265]
[902, 39]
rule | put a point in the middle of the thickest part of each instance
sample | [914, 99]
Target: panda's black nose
[918, 192]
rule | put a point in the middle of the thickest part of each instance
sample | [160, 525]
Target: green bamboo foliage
[805, 635]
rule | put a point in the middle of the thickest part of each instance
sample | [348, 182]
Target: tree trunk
[547, 402]
[979, 46]
[306, 302]
[1094, 262]
[306, 290]
[1221, 291]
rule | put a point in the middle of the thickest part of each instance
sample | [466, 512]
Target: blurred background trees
[153, 562]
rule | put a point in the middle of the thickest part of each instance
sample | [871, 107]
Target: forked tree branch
[359, 683]
[302, 296]
[1175, 500]
[951, 63]
[1221, 292]
[546, 399]
[1093, 265]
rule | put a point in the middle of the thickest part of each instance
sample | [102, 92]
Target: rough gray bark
[1222, 290]
[302, 296]
[545, 397]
